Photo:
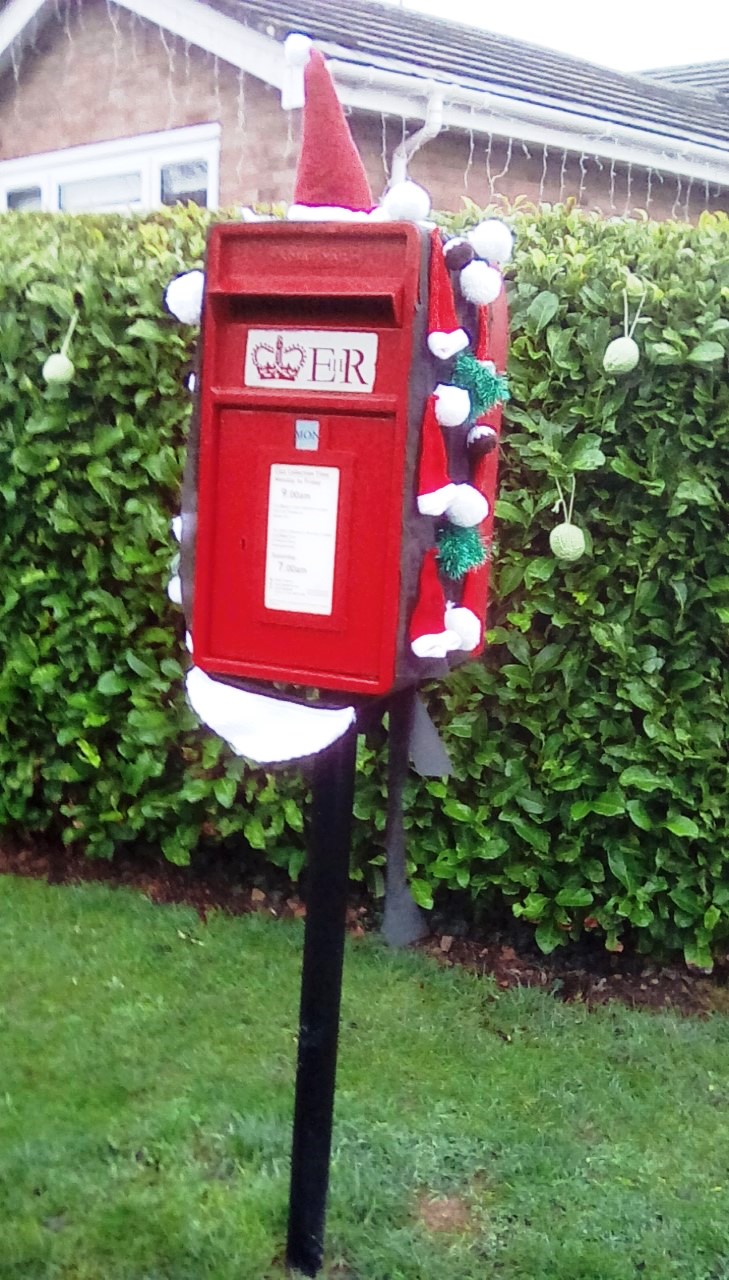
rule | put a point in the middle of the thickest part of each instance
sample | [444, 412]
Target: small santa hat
[483, 341]
[429, 635]
[445, 336]
[482, 437]
[463, 618]
[330, 171]
[435, 487]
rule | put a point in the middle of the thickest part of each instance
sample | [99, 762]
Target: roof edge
[385, 86]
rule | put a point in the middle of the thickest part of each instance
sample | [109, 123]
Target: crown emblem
[279, 363]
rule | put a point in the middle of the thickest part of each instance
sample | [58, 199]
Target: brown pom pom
[458, 253]
[481, 440]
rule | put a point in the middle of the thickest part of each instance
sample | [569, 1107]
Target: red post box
[315, 374]
[305, 475]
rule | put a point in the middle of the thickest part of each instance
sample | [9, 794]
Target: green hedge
[591, 764]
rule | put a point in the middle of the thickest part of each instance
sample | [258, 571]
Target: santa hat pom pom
[452, 405]
[297, 48]
[467, 507]
[466, 625]
[406, 202]
[184, 296]
[480, 283]
[297, 51]
[492, 240]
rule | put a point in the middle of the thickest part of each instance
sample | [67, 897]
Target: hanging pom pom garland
[59, 369]
[567, 541]
[622, 354]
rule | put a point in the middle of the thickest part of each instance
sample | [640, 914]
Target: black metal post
[321, 985]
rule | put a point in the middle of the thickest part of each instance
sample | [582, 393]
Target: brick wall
[102, 73]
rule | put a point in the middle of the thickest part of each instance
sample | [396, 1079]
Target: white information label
[311, 360]
[301, 541]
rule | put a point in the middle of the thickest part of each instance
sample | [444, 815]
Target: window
[119, 193]
[127, 175]
[186, 183]
[24, 199]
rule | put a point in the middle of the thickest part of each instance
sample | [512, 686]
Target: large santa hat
[330, 172]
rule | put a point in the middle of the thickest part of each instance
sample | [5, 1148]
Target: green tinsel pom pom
[459, 550]
[485, 386]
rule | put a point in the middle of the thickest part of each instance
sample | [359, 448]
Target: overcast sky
[626, 34]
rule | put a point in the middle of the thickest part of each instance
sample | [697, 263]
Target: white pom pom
[437, 645]
[406, 202]
[467, 507]
[480, 284]
[492, 240]
[188, 641]
[176, 527]
[466, 625]
[445, 345]
[297, 49]
[174, 589]
[184, 296]
[452, 405]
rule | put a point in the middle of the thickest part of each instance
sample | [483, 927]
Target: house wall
[101, 73]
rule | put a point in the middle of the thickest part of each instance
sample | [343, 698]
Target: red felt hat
[330, 170]
[435, 487]
[465, 618]
[445, 336]
[483, 342]
[429, 635]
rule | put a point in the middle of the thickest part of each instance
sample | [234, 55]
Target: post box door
[301, 565]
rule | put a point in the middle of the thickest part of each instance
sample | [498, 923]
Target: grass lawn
[146, 1072]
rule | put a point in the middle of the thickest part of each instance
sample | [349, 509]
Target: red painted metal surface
[303, 434]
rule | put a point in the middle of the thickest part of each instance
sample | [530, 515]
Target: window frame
[147, 153]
